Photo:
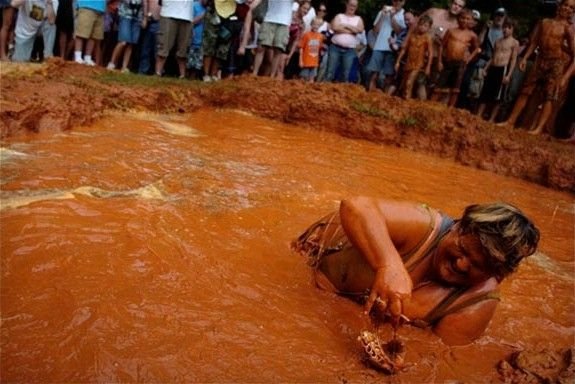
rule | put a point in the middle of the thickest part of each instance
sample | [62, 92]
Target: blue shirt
[96, 5]
[199, 10]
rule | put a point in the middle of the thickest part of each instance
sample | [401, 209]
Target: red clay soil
[59, 95]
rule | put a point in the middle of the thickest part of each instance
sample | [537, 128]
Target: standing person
[460, 46]
[34, 16]
[310, 48]
[341, 53]
[148, 44]
[443, 20]
[418, 48]
[65, 28]
[296, 30]
[410, 259]
[381, 64]
[554, 64]
[273, 34]
[498, 70]
[196, 55]
[132, 17]
[89, 29]
[175, 29]
[7, 30]
[472, 79]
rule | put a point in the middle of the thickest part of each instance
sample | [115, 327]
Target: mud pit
[154, 247]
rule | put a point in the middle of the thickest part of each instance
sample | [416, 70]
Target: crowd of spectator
[450, 55]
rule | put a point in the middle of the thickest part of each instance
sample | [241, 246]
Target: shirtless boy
[554, 64]
[460, 46]
[419, 51]
[498, 69]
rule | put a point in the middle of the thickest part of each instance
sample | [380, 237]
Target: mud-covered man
[555, 63]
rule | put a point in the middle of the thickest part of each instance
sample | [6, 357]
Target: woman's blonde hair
[506, 234]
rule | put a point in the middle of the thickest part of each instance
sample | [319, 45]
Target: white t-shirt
[178, 9]
[279, 12]
[31, 15]
[382, 41]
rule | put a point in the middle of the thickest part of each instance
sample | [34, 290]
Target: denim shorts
[129, 30]
[382, 62]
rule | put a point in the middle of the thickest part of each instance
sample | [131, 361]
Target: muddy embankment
[60, 95]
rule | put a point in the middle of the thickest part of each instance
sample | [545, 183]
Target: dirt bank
[60, 95]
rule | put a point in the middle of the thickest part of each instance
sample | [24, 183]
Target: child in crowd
[132, 16]
[419, 50]
[196, 55]
[459, 46]
[89, 28]
[310, 48]
[498, 69]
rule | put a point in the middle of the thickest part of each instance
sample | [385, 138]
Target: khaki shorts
[172, 31]
[274, 35]
[89, 24]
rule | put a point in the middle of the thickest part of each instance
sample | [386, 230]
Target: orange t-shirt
[310, 45]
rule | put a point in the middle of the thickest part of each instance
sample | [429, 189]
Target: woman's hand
[391, 287]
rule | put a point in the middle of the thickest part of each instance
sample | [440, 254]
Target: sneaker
[215, 78]
[125, 70]
[110, 66]
[90, 63]
[79, 61]
[207, 79]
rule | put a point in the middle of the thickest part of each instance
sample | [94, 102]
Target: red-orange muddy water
[155, 248]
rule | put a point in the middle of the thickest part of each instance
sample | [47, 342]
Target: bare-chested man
[460, 46]
[418, 48]
[498, 69]
[443, 20]
[554, 65]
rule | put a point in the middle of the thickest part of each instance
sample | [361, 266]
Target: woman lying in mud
[413, 262]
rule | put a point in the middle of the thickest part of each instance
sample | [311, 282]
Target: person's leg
[127, 58]
[7, 26]
[334, 59]
[49, 36]
[494, 112]
[116, 53]
[516, 111]
[543, 117]
[23, 49]
[480, 109]
[166, 37]
[275, 60]
[183, 38]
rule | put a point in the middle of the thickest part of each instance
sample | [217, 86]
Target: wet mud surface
[60, 95]
[145, 230]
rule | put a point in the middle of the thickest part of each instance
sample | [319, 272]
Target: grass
[369, 110]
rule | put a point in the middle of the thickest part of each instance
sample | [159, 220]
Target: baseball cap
[500, 11]
[476, 14]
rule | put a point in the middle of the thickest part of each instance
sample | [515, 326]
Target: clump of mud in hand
[387, 357]
[545, 366]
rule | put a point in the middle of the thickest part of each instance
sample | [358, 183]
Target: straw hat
[225, 8]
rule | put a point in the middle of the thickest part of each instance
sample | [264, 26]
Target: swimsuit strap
[406, 256]
[444, 228]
